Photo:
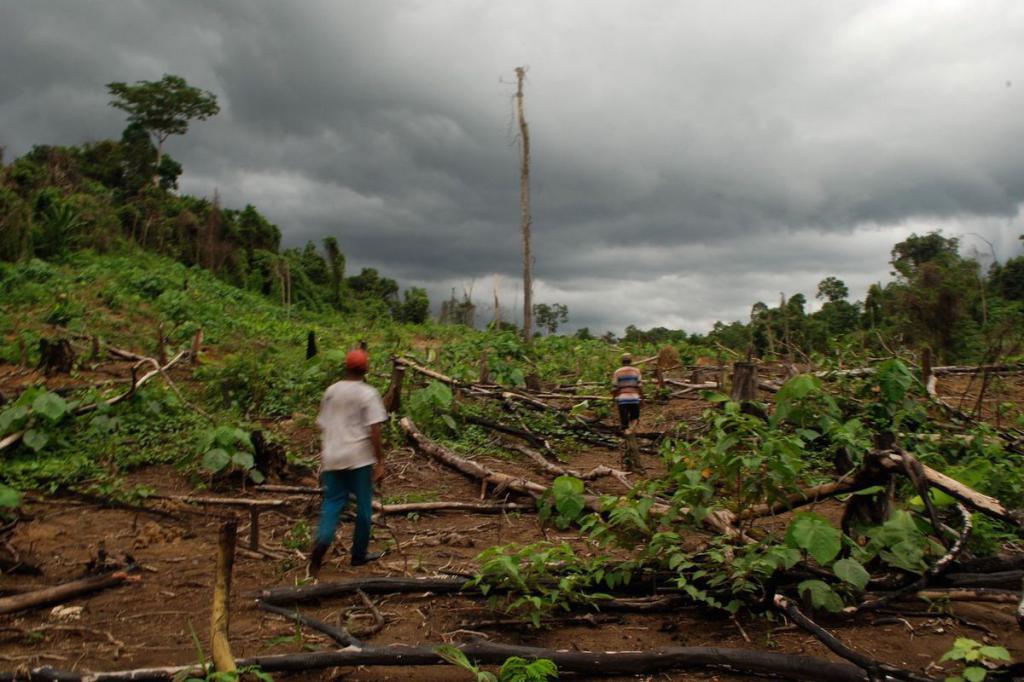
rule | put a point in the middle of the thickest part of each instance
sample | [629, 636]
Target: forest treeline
[115, 194]
[112, 194]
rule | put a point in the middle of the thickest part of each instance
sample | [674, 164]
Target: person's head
[357, 363]
[627, 359]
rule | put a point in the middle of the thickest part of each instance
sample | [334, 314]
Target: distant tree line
[102, 195]
[937, 298]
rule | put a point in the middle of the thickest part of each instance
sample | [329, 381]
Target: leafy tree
[934, 292]
[583, 333]
[1009, 279]
[913, 252]
[832, 289]
[163, 108]
[416, 306]
[549, 317]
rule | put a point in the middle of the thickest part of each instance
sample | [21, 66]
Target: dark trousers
[628, 413]
[337, 485]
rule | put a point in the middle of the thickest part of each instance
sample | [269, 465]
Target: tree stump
[744, 381]
[55, 356]
[533, 381]
[268, 458]
[393, 396]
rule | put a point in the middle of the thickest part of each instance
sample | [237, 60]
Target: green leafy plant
[37, 412]
[227, 448]
[563, 502]
[533, 580]
[975, 658]
[514, 669]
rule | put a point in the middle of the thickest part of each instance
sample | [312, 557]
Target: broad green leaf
[242, 460]
[449, 422]
[215, 460]
[996, 653]
[822, 595]
[35, 439]
[851, 572]
[256, 476]
[815, 535]
[973, 673]
[9, 497]
[50, 405]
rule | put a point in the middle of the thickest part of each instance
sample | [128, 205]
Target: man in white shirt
[351, 459]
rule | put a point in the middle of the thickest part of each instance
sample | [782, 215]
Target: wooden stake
[220, 647]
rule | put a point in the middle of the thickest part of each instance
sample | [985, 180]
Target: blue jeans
[337, 485]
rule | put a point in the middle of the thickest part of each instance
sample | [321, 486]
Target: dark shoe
[366, 558]
[316, 560]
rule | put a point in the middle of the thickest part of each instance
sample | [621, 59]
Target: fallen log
[281, 596]
[894, 460]
[549, 467]
[411, 507]
[589, 663]
[874, 669]
[242, 502]
[340, 635]
[62, 593]
[720, 521]
[500, 481]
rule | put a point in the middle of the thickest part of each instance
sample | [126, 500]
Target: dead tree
[524, 209]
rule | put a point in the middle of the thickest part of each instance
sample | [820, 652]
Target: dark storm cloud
[688, 158]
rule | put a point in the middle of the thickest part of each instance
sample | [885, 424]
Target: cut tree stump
[56, 356]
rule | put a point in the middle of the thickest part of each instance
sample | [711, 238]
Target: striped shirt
[627, 382]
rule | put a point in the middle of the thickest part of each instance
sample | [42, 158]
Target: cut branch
[61, 593]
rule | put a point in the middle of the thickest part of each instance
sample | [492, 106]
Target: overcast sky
[689, 158]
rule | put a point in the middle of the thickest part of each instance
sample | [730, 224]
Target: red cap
[357, 359]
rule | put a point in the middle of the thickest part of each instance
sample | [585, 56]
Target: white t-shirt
[347, 411]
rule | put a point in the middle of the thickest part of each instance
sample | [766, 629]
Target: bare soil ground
[150, 622]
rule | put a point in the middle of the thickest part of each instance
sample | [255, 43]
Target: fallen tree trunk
[282, 596]
[590, 663]
[61, 593]
[546, 466]
[894, 460]
[874, 669]
[720, 521]
[500, 481]
[410, 507]
[340, 635]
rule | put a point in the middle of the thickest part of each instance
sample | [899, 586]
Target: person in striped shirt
[627, 392]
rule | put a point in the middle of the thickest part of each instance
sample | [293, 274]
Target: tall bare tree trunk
[497, 305]
[524, 209]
